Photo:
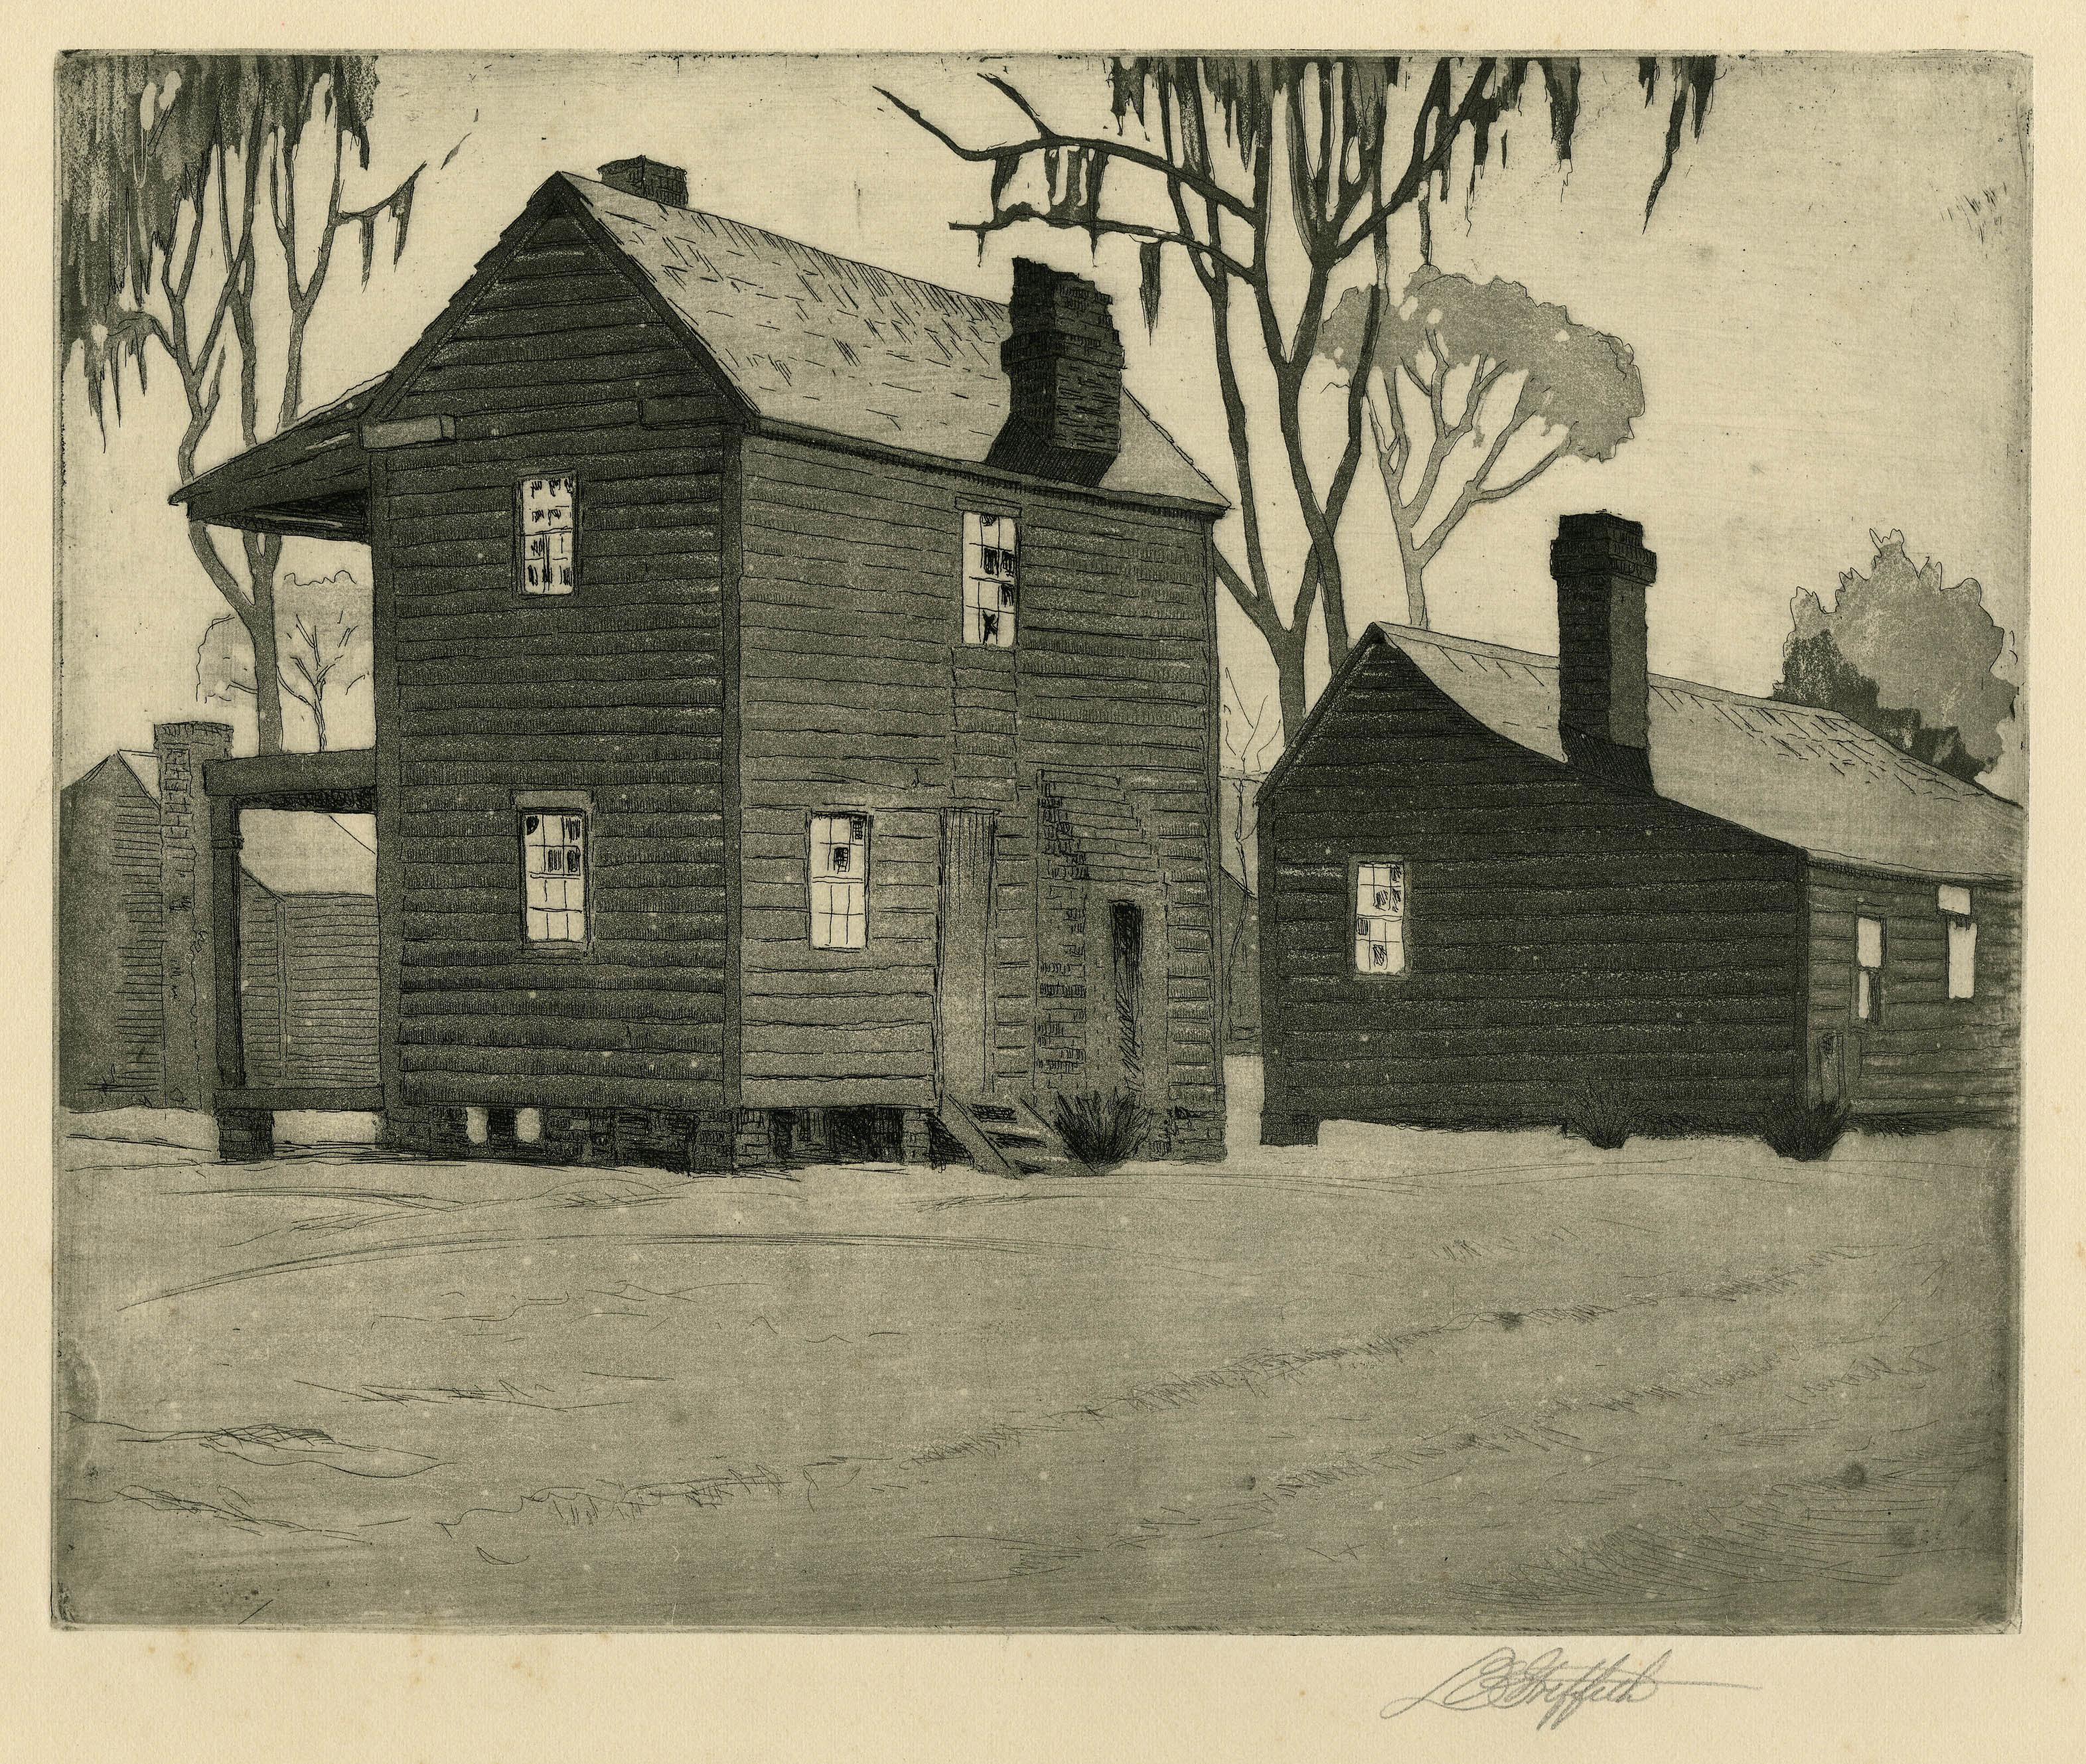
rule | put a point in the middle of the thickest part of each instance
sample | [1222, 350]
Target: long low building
[1493, 882]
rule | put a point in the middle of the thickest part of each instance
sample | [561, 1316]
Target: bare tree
[1470, 368]
[169, 165]
[323, 647]
[1274, 179]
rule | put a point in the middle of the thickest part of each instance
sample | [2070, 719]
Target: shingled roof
[808, 341]
[1810, 778]
[828, 343]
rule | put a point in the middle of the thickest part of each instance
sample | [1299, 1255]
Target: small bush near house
[1600, 1113]
[1101, 1128]
[1806, 1131]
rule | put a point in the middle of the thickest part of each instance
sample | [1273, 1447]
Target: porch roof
[310, 480]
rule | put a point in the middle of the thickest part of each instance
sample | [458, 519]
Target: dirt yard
[1401, 1382]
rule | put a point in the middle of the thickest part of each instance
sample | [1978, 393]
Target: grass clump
[1598, 1113]
[1101, 1128]
[1804, 1130]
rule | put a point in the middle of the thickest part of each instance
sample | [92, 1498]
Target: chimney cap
[654, 180]
[1599, 543]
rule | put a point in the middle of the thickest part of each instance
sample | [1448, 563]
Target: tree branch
[1048, 139]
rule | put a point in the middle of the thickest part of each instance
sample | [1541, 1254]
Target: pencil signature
[1549, 1682]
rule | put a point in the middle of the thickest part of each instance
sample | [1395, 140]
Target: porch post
[241, 1133]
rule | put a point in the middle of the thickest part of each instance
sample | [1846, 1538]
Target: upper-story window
[547, 509]
[1955, 905]
[990, 591]
[839, 881]
[1380, 916]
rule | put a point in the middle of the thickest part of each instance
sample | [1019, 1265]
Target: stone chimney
[1603, 678]
[188, 995]
[649, 179]
[1064, 377]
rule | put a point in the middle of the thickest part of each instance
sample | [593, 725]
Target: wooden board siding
[849, 566]
[617, 689]
[111, 1031]
[1928, 1053]
[1558, 931]
[308, 979]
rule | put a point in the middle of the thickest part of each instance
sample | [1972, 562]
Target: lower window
[554, 875]
[839, 881]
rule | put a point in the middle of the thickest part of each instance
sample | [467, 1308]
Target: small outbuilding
[1495, 884]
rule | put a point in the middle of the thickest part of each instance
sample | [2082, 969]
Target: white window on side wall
[547, 509]
[839, 881]
[1868, 970]
[1955, 905]
[990, 592]
[554, 876]
[1380, 916]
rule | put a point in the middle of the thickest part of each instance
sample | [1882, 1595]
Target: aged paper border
[170, 1695]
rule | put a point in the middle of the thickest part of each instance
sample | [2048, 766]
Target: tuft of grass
[1598, 1113]
[1101, 1128]
[1804, 1130]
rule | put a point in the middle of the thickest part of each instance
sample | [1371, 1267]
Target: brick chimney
[1603, 678]
[188, 994]
[1064, 375]
[648, 179]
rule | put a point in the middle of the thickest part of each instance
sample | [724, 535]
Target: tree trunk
[1415, 583]
[260, 622]
[1289, 688]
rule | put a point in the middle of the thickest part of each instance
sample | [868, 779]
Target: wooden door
[1126, 972]
[964, 1034]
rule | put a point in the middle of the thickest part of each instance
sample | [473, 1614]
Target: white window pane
[1962, 959]
[1863, 995]
[1869, 942]
[1956, 900]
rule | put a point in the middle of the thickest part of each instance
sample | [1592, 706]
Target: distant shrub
[1806, 1131]
[1598, 1113]
[1102, 1128]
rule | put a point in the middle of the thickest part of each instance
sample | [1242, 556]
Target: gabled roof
[825, 343]
[1809, 779]
[805, 341]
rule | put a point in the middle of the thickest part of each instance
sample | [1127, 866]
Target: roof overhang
[312, 481]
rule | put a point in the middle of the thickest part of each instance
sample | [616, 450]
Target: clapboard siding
[1927, 1053]
[308, 986]
[617, 690]
[1559, 931]
[112, 931]
[860, 694]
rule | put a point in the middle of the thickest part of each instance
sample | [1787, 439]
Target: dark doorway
[1126, 947]
[965, 1024]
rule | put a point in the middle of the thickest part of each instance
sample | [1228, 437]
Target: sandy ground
[1403, 1381]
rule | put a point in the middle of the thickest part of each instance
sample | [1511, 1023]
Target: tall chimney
[1604, 677]
[649, 179]
[1064, 376]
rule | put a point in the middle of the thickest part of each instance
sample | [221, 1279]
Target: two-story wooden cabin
[796, 696]
[1493, 883]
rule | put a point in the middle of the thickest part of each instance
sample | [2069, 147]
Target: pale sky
[1832, 340]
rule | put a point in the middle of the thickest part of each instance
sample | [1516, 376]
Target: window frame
[522, 482]
[1874, 1019]
[1355, 863]
[812, 817]
[567, 802]
[1956, 920]
[983, 508]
